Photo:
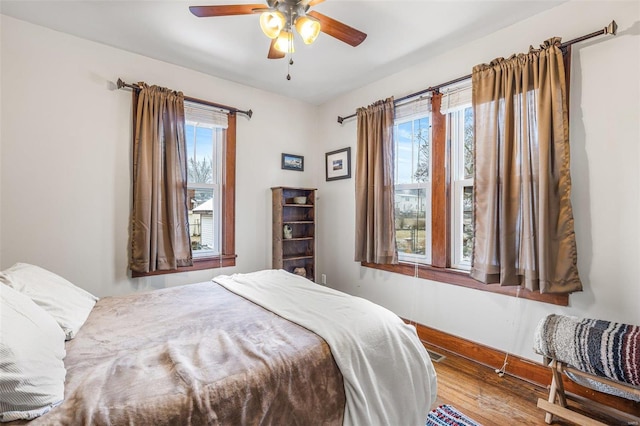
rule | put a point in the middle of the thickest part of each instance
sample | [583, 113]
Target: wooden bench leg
[555, 390]
[557, 375]
[560, 409]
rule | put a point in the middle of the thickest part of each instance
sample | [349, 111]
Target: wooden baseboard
[524, 369]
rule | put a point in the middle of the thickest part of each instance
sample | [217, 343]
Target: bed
[244, 349]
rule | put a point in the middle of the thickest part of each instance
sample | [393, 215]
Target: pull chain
[290, 45]
[289, 66]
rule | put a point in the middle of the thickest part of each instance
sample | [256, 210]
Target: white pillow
[67, 304]
[31, 358]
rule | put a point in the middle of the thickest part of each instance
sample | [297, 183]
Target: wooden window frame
[227, 256]
[440, 268]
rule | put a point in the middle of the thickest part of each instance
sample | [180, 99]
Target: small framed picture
[338, 164]
[293, 162]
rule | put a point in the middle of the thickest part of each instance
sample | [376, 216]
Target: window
[460, 125]
[412, 137]
[210, 146]
[434, 152]
[416, 205]
[204, 149]
[210, 137]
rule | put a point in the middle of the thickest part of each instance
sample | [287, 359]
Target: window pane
[404, 152]
[462, 142]
[189, 135]
[203, 144]
[412, 151]
[413, 189]
[423, 147]
[411, 227]
[201, 220]
[468, 143]
[200, 151]
[467, 223]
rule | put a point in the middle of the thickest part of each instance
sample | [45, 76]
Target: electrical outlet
[323, 277]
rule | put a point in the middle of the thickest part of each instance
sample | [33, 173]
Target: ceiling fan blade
[225, 10]
[338, 30]
[273, 52]
[314, 2]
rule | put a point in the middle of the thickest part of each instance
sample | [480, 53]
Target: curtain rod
[248, 113]
[612, 28]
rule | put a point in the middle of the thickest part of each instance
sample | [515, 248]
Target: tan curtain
[159, 217]
[375, 227]
[523, 219]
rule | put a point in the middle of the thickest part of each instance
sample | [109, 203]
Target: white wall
[605, 142]
[65, 157]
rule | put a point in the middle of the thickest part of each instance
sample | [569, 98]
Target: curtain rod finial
[340, 119]
[120, 83]
[612, 28]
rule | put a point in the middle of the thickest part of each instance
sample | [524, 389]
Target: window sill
[462, 278]
[199, 264]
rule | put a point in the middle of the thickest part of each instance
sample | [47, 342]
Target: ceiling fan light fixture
[284, 42]
[272, 23]
[308, 28]
[279, 19]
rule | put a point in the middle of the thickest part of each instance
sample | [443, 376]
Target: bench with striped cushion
[601, 355]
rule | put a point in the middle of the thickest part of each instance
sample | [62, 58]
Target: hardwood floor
[480, 393]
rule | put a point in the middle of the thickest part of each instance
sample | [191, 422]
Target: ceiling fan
[278, 19]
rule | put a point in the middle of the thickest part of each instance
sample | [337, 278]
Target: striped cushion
[601, 348]
[31, 358]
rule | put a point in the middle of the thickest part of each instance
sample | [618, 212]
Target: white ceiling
[400, 34]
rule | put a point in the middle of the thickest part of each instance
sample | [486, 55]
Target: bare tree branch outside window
[421, 136]
[200, 171]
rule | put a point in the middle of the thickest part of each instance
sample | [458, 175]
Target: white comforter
[388, 376]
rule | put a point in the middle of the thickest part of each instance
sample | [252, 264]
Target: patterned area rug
[446, 415]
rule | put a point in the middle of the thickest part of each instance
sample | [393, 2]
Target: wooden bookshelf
[291, 252]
